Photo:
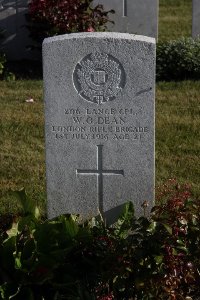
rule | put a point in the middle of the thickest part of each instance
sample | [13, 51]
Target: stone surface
[99, 115]
[195, 18]
[133, 16]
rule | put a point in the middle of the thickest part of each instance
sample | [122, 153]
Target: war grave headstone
[195, 18]
[99, 122]
[133, 16]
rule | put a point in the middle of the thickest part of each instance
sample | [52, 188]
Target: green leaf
[183, 221]
[183, 248]
[8, 290]
[23, 293]
[27, 221]
[123, 224]
[13, 230]
[128, 211]
[158, 259]
[71, 227]
[28, 206]
[152, 227]
[18, 264]
[168, 228]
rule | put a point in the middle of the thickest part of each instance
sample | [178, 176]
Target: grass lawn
[22, 138]
[177, 132]
[177, 125]
[175, 19]
[22, 141]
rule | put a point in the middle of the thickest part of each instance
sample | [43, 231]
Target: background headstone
[16, 36]
[195, 18]
[99, 102]
[133, 16]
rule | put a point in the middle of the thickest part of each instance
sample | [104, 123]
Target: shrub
[53, 17]
[179, 59]
[136, 258]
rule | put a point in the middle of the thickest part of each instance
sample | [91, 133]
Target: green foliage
[178, 59]
[136, 258]
[28, 206]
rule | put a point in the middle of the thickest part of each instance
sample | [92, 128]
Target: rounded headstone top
[100, 35]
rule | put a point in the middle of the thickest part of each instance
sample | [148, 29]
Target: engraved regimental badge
[99, 77]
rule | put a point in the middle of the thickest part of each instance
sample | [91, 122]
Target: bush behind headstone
[178, 59]
[53, 17]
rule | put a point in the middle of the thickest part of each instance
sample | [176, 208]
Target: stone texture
[195, 18]
[99, 120]
[133, 16]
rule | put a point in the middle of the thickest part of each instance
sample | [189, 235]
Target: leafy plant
[53, 17]
[136, 258]
[178, 59]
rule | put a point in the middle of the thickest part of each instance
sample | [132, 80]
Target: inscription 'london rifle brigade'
[99, 78]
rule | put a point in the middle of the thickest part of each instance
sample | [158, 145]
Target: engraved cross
[124, 8]
[100, 172]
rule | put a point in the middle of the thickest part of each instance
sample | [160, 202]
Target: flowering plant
[136, 258]
[53, 17]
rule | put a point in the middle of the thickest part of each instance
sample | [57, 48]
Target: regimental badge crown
[99, 77]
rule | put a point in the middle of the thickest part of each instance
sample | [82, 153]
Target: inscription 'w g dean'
[99, 77]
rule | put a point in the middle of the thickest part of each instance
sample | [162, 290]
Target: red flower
[90, 29]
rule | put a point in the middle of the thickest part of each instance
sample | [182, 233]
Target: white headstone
[133, 16]
[99, 101]
[195, 18]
